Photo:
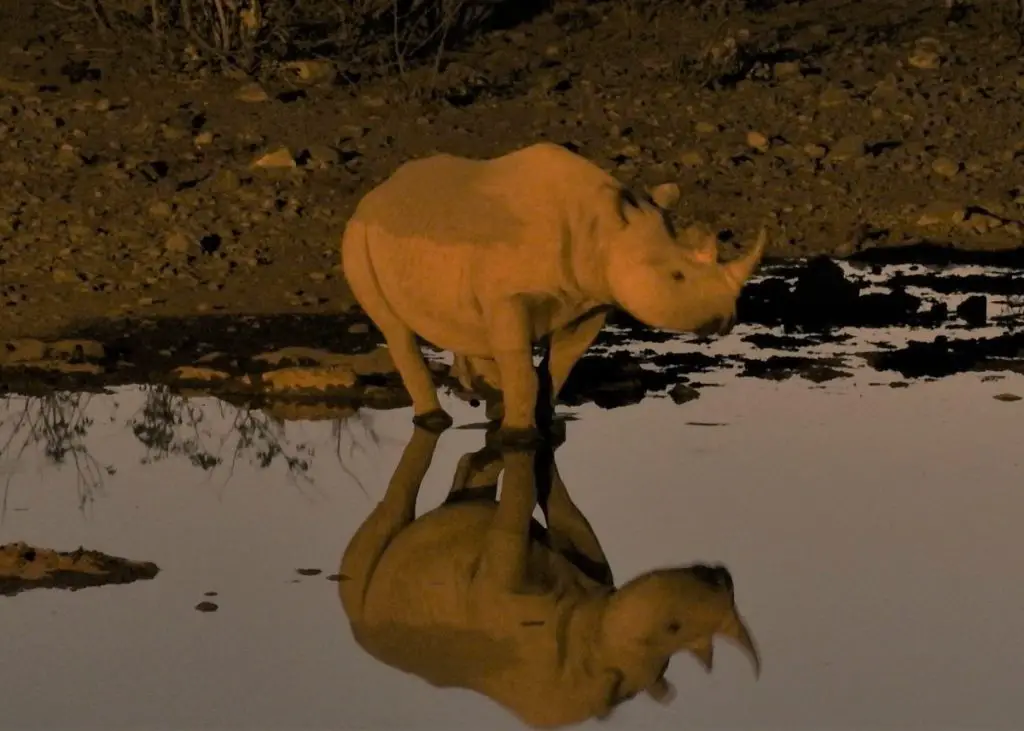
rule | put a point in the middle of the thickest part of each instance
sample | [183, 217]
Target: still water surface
[873, 533]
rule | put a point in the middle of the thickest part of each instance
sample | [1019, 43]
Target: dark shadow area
[792, 307]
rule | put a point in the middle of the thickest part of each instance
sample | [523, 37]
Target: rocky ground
[134, 192]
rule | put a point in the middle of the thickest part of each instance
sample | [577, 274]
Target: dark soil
[130, 194]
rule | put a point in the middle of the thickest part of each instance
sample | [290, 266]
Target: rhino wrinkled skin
[475, 594]
[486, 258]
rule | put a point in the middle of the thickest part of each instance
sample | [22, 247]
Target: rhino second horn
[739, 270]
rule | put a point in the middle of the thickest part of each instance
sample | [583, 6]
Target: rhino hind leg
[401, 341]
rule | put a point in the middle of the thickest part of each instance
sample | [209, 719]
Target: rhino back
[447, 233]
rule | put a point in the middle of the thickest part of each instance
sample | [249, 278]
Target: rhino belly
[429, 288]
[423, 575]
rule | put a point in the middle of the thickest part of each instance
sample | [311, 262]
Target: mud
[24, 567]
[814, 320]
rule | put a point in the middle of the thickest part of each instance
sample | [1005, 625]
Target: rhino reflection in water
[477, 594]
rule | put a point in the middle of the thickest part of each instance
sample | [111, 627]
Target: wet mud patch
[24, 567]
[816, 319]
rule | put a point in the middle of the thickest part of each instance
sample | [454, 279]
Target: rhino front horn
[739, 270]
[736, 630]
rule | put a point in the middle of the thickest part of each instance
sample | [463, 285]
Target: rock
[76, 350]
[61, 275]
[24, 567]
[705, 128]
[67, 157]
[982, 222]
[833, 96]
[846, 148]
[178, 242]
[974, 310]
[225, 181]
[13, 86]
[924, 59]
[682, 392]
[1008, 397]
[941, 213]
[693, 159]
[198, 373]
[310, 71]
[946, 167]
[279, 158]
[251, 93]
[160, 209]
[203, 138]
[23, 350]
[758, 141]
[815, 152]
[318, 379]
[322, 156]
[787, 69]
[206, 606]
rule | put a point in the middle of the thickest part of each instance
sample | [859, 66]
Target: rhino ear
[665, 195]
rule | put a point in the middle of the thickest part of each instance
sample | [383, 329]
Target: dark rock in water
[962, 283]
[791, 342]
[24, 567]
[944, 357]
[781, 367]
[974, 310]
[1009, 397]
[681, 393]
[823, 299]
[935, 255]
[206, 607]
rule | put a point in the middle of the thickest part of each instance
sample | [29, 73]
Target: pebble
[280, 158]
[693, 159]
[177, 242]
[758, 141]
[946, 167]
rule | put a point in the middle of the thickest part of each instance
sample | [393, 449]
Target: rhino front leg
[391, 515]
[408, 359]
[510, 334]
[503, 560]
[568, 346]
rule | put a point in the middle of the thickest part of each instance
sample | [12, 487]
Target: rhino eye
[678, 276]
[673, 627]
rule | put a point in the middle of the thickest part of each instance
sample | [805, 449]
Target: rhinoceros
[488, 257]
[475, 594]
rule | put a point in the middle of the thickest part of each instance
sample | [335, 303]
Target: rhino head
[672, 280]
[664, 612]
